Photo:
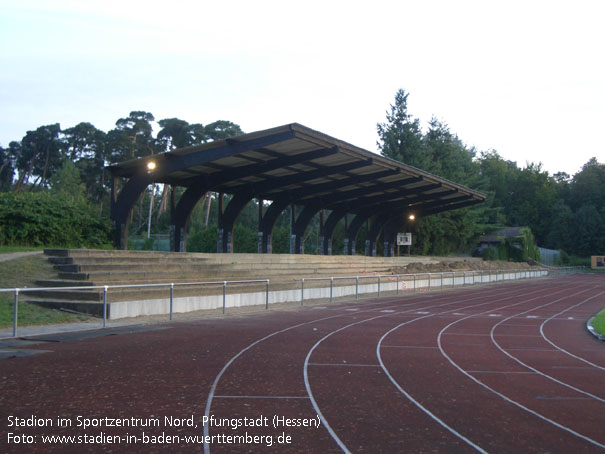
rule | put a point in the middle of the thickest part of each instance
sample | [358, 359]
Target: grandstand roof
[308, 167]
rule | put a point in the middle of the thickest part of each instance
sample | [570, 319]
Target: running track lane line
[318, 410]
[422, 299]
[409, 396]
[514, 358]
[579, 358]
[529, 410]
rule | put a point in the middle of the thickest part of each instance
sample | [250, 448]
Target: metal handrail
[429, 277]
[379, 277]
[106, 288]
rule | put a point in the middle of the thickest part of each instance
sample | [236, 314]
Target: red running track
[502, 368]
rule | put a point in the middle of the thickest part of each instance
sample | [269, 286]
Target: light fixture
[151, 165]
[411, 217]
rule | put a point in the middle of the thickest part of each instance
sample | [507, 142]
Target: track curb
[593, 331]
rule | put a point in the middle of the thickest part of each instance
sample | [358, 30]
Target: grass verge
[23, 272]
[9, 249]
[598, 323]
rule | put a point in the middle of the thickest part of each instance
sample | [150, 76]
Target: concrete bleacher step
[89, 268]
[207, 268]
[179, 274]
[84, 255]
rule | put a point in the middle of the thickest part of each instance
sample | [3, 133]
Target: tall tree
[449, 157]
[85, 147]
[40, 155]
[6, 169]
[400, 137]
[67, 183]
[589, 237]
[175, 133]
[562, 227]
[532, 196]
[222, 129]
[588, 185]
[132, 137]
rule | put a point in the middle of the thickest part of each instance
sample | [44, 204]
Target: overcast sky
[526, 78]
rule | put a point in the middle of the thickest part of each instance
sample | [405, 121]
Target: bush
[516, 249]
[244, 239]
[203, 240]
[281, 240]
[51, 220]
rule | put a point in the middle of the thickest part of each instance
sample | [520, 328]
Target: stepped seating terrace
[89, 268]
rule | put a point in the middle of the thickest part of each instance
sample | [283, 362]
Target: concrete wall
[367, 287]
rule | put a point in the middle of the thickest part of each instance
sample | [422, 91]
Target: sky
[525, 78]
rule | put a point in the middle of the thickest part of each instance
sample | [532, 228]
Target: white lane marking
[497, 372]
[308, 385]
[579, 358]
[421, 299]
[406, 346]
[501, 335]
[344, 364]
[561, 398]
[517, 404]
[600, 399]
[261, 397]
[409, 396]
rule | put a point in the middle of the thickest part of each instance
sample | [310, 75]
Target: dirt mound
[463, 265]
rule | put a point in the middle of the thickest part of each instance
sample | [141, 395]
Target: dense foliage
[515, 249]
[54, 181]
[46, 219]
[562, 212]
[55, 192]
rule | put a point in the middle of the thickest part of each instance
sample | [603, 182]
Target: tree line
[71, 164]
[564, 212]
[31, 163]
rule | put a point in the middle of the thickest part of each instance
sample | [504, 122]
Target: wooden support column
[122, 203]
[180, 216]
[268, 222]
[292, 228]
[260, 222]
[327, 230]
[220, 242]
[300, 227]
[352, 231]
[172, 208]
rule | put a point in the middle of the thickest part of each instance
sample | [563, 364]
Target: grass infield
[598, 322]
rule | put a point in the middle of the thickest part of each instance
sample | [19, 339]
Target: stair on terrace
[89, 268]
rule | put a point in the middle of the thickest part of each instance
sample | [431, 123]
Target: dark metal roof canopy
[291, 164]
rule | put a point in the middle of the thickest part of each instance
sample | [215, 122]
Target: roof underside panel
[305, 167]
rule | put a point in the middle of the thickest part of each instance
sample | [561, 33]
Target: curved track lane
[500, 368]
[431, 375]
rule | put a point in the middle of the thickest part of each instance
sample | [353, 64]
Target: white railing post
[171, 298]
[15, 312]
[105, 306]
